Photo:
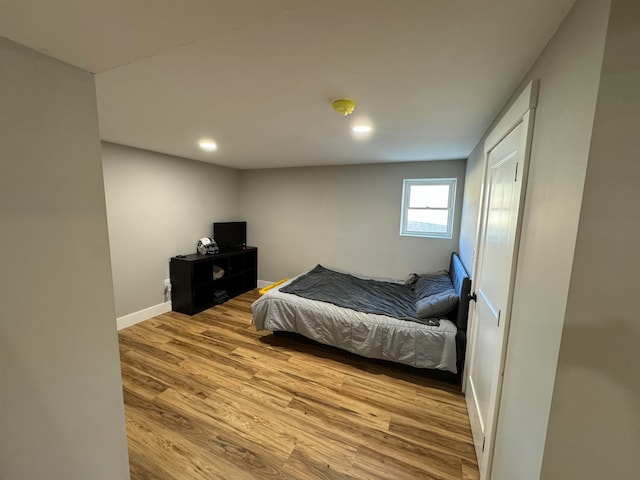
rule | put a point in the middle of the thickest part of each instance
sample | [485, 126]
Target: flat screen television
[230, 235]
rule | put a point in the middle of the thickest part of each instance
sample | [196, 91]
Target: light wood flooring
[208, 397]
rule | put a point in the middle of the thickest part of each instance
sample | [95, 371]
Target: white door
[506, 166]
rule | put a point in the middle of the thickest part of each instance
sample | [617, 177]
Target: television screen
[230, 235]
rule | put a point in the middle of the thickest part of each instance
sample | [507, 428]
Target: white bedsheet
[372, 336]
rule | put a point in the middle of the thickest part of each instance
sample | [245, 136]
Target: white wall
[594, 428]
[344, 217]
[61, 410]
[159, 206]
[569, 73]
[471, 207]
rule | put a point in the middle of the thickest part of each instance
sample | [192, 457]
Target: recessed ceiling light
[208, 145]
[362, 129]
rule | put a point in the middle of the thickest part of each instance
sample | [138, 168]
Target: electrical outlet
[167, 284]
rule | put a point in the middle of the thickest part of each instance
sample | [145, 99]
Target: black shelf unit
[193, 287]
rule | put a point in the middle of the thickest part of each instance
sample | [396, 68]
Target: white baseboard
[142, 315]
[263, 283]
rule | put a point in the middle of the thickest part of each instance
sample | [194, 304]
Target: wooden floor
[208, 397]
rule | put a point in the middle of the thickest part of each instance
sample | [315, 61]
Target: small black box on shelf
[220, 296]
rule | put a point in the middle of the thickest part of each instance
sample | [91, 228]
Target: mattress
[368, 335]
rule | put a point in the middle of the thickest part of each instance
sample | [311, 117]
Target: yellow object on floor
[269, 287]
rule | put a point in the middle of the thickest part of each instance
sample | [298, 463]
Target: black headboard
[462, 285]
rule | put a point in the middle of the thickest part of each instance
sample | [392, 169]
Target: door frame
[522, 111]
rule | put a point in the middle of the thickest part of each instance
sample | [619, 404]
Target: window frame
[407, 183]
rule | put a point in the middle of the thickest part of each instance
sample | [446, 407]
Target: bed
[428, 344]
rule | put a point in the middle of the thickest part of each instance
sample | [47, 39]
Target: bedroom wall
[62, 414]
[594, 427]
[471, 207]
[569, 73]
[346, 217]
[159, 206]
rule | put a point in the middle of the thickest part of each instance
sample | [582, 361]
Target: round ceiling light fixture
[362, 129]
[344, 106]
[208, 145]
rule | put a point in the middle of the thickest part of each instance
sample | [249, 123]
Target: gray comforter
[369, 296]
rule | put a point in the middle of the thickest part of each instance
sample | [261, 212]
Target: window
[427, 207]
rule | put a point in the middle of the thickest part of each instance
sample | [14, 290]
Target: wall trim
[526, 101]
[147, 313]
[142, 315]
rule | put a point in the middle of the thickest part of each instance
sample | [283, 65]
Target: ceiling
[258, 77]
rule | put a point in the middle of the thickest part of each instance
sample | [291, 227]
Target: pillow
[436, 305]
[435, 295]
[414, 277]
